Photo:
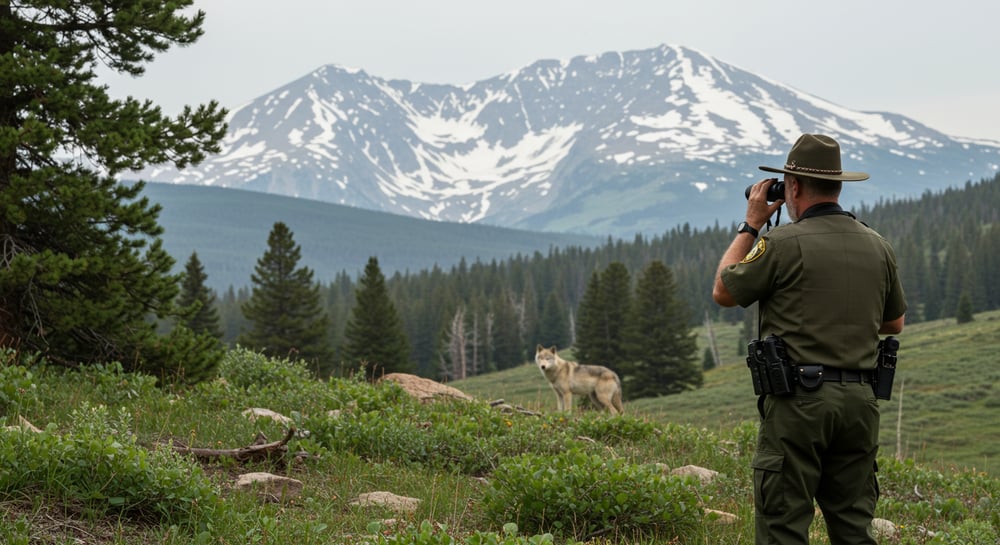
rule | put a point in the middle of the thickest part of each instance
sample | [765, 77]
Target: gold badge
[755, 252]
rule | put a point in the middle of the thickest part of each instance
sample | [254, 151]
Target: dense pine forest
[946, 243]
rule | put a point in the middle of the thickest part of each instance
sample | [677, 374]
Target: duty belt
[836, 374]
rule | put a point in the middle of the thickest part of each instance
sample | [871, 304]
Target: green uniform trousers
[820, 445]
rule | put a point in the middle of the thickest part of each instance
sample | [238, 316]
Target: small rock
[399, 504]
[273, 487]
[884, 529]
[704, 475]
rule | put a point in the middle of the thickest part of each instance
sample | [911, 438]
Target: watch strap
[745, 227]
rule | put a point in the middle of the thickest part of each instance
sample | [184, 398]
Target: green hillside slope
[946, 387]
[229, 227]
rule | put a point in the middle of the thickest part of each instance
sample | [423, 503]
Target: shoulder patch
[755, 252]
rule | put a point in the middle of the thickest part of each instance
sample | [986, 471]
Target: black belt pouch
[809, 377]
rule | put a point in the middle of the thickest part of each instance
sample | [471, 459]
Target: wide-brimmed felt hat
[817, 156]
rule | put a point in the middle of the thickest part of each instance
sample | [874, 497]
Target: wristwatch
[745, 227]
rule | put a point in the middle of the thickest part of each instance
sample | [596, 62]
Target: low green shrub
[243, 368]
[967, 532]
[113, 386]
[288, 386]
[98, 464]
[15, 532]
[915, 494]
[18, 391]
[585, 495]
[613, 431]
[430, 534]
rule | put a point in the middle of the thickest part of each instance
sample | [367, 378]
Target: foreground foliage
[81, 265]
[482, 475]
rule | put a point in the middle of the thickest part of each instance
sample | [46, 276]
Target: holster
[885, 367]
[770, 368]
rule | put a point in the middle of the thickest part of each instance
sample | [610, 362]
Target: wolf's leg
[616, 400]
[603, 400]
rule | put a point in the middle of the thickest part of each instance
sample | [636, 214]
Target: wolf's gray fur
[569, 377]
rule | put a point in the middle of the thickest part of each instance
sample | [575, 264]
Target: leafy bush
[15, 532]
[112, 385]
[585, 495]
[613, 431]
[17, 389]
[243, 368]
[428, 534]
[919, 494]
[968, 532]
[100, 465]
[467, 437]
[288, 386]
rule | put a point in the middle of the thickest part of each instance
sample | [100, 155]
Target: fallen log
[260, 450]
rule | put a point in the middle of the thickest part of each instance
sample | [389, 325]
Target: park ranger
[827, 288]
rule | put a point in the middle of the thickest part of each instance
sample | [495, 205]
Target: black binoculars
[775, 191]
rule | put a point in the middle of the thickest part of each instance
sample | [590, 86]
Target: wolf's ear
[539, 348]
[553, 349]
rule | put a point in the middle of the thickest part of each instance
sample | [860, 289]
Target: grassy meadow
[943, 413]
[102, 468]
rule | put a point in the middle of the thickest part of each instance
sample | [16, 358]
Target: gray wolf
[569, 377]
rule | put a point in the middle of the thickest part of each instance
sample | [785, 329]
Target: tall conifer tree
[616, 303]
[285, 310]
[508, 347]
[82, 268]
[374, 334]
[600, 325]
[553, 326]
[661, 352]
[199, 299]
[588, 323]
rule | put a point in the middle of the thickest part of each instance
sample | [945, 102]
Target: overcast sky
[936, 62]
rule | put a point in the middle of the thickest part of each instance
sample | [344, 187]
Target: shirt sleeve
[752, 278]
[895, 302]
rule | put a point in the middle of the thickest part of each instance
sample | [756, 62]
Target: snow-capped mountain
[615, 144]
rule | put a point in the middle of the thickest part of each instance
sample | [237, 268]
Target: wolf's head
[546, 358]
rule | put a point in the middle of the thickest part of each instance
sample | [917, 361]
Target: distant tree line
[481, 317]
[84, 277]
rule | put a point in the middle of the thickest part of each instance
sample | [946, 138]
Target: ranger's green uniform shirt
[825, 284]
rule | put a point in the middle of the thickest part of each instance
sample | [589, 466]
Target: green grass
[448, 455]
[947, 379]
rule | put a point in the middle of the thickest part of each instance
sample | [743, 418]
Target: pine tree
[963, 314]
[588, 322]
[661, 348]
[285, 311]
[601, 318]
[616, 302]
[197, 305]
[374, 334]
[508, 347]
[82, 267]
[553, 326]
[199, 300]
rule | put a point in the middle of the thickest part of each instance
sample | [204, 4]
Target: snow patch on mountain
[607, 144]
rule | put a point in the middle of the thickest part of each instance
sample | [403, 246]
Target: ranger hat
[817, 156]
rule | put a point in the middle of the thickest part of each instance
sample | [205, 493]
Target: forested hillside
[947, 245]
